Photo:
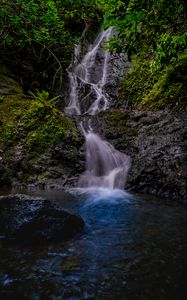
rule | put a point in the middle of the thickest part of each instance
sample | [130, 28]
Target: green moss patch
[145, 89]
[34, 123]
[169, 91]
[138, 83]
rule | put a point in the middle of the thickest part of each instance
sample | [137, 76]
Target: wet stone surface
[35, 220]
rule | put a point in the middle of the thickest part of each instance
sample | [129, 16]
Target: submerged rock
[34, 220]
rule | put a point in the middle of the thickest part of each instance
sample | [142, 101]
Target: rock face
[59, 165]
[157, 144]
[155, 141]
[34, 220]
[20, 165]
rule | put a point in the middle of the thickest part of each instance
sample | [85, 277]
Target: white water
[105, 166]
[88, 78]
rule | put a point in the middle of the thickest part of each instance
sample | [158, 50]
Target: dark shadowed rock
[157, 144]
[34, 220]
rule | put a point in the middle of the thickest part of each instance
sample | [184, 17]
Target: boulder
[35, 220]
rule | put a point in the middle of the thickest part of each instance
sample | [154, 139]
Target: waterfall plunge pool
[133, 247]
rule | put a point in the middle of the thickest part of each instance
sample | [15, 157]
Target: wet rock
[157, 145]
[35, 220]
[61, 164]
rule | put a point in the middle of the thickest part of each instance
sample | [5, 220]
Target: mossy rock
[114, 116]
[116, 119]
[138, 82]
[145, 89]
[9, 86]
[169, 91]
[34, 123]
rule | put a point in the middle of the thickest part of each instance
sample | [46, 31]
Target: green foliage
[138, 82]
[153, 33]
[158, 88]
[43, 22]
[36, 29]
[43, 96]
[38, 126]
[149, 90]
[44, 134]
[43, 123]
[168, 50]
[8, 132]
[30, 21]
[44, 32]
[141, 23]
[169, 91]
[81, 11]
[177, 165]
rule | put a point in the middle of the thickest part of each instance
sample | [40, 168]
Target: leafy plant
[169, 50]
[45, 30]
[43, 96]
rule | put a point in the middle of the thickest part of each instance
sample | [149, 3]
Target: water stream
[105, 166]
[88, 77]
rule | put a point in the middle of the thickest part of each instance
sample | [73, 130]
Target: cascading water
[105, 166]
[88, 78]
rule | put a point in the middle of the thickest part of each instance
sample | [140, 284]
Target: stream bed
[133, 247]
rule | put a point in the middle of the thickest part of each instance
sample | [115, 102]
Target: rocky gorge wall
[156, 141]
[157, 144]
[42, 161]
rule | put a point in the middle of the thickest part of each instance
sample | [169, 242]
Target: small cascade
[88, 78]
[105, 166]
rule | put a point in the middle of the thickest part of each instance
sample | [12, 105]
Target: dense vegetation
[154, 34]
[42, 34]
[37, 40]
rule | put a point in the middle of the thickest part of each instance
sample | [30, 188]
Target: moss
[36, 124]
[9, 86]
[169, 91]
[116, 119]
[147, 90]
[12, 101]
[13, 105]
[114, 116]
[50, 130]
[138, 83]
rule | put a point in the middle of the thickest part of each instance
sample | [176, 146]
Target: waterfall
[88, 76]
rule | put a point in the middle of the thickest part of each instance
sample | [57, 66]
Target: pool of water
[133, 247]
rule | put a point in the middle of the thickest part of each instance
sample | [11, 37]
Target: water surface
[132, 248]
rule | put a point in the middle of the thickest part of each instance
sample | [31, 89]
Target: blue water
[132, 247]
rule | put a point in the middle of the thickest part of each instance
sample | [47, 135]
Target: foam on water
[95, 195]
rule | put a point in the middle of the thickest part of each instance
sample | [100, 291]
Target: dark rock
[50, 225]
[157, 145]
[34, 220]
[60, 164]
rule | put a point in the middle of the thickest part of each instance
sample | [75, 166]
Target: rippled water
[132, 248]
